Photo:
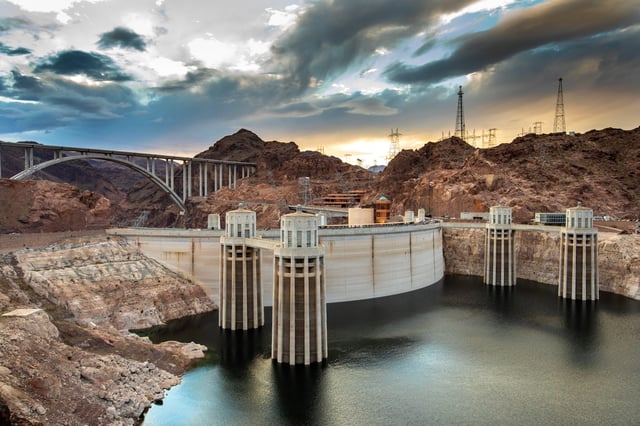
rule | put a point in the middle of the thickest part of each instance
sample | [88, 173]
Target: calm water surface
[455, 353]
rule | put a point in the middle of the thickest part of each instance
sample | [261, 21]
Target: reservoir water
[457, 352]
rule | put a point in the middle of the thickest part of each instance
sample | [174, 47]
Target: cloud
[12, 22]
[122, 37]
[13, 52]
[535, 27]
[93, 65]
[333, 35]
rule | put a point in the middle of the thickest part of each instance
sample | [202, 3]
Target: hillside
[534, 173]
[550, 172]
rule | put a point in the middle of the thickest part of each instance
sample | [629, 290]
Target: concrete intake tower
[241, 306]
[299, 333]
[578, 256]
[499, 256]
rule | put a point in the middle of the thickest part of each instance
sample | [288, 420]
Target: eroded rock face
[45, 381]
[44, 206]
[537, 257]
[108, 281]
[82, 366]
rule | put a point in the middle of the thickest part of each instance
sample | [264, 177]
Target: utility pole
[559, 124]
[460, 127]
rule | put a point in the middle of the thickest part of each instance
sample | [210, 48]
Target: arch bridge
[162, 170]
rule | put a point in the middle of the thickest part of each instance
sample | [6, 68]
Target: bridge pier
[500, 267]
[578, 278]
[299, 334]
[241, 306]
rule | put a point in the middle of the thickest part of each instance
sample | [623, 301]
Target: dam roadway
[361, 262]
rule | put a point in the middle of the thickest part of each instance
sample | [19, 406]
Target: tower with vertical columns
[299, 333]
[499, 257]
[579, 256]
[241, 305]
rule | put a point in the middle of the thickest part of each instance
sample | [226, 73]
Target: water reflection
[299, 392]
[239, 348]
[581, 326]
[501, 300]
[459, 353]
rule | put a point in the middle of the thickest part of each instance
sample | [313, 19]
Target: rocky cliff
[534, 173]
[66, 356]
[537, 257]
[44, 206]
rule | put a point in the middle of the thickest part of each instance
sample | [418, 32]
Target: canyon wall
[537, 257]
[66, 356]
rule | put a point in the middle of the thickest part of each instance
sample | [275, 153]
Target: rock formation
[537, 257]
[44, 206]
[534, 173]
[66, 356]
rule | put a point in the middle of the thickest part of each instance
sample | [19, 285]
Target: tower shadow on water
[300, 392]
[581, 327]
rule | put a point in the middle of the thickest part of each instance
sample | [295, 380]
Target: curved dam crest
[361, 262]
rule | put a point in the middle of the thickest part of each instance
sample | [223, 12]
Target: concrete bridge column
[171, 173]
[28, 158]
[299, 334]
[184, 180]
[206, 178]
[200, 181]
[241, 306]
[499, 255]
[579, 256]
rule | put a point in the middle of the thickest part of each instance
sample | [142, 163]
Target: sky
[174, 76]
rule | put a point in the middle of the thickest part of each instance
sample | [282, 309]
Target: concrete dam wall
[361, 262]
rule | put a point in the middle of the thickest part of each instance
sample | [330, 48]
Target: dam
[362, 262]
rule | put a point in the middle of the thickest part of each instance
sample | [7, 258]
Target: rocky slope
[72, 361]
[275, 184]
[533, 173]
[44, 206]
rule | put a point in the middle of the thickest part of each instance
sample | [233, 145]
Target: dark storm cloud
[13, 52]
[332, 35]
[122, 37]
[192, 79]
[57, 102]
[93, 65]
[26, 87]
[593, 65]
[542, 25]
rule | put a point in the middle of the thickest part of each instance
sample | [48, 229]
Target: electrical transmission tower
[394, 146]
[537, 127]
[460, 128]
[558, 123]
[492, 137]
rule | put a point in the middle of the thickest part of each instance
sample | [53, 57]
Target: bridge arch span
[153, 178]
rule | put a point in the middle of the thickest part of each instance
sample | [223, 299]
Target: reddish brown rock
[43, 206]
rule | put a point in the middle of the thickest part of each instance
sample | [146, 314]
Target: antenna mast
[460, 127]
[558, 123]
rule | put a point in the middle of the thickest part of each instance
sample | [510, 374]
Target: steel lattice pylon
[559, 124]
[460, 127]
